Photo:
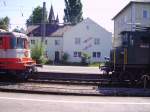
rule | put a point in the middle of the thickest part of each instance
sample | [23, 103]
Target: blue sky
[101, 11]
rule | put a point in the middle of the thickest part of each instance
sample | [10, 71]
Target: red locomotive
[15, 54]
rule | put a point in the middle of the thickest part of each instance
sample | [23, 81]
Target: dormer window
[77, 41]
[97, 41]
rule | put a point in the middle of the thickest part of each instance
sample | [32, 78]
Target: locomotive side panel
[132, 58]
[15, 53]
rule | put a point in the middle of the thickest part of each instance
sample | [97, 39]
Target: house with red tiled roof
[85, 37]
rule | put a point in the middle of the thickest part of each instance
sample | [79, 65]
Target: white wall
[50, 46]
[87, 29]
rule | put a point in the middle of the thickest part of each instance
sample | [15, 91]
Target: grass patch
[96, 64]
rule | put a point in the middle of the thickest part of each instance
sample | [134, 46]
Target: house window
[45, 42]
[57, 42]
[77, 41]
[97, 41]
[96, 54]
[77, 54]
[145, 14]
[32, 41]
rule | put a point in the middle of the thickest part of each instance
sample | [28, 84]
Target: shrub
[49, 61]
[65, 58]
[37, 53]
[85, 58]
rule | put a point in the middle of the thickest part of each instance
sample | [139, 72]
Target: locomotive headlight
[26, 53]
[20, 54]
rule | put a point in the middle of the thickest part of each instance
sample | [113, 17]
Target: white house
[135, 13]
[53, 43]
[87, 37]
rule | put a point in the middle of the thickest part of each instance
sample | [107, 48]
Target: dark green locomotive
[131, 60]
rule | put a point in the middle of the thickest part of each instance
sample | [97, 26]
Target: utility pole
[43, 25]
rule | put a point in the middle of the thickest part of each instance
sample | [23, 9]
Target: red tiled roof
[60, 31]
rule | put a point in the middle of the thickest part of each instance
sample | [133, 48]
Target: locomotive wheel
[144, 80]
[22, 77]
[122, 77]
[29, 72]
[127, 77]
[114, 76]
[132, 78]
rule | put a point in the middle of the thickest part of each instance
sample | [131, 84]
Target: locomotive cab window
[26, 44]
[20, 43]
[13, 43]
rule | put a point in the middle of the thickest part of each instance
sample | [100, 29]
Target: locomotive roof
[15, 34]
[136, 32]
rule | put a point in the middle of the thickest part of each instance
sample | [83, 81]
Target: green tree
[36, 16]
[4, 23]
[73, 11]
[37, 53]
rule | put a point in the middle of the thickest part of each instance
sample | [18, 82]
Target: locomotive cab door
[5, 42]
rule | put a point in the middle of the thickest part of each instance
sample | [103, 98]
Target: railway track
[80, 79]
[96, 82]
[72, 79]
[47, 87]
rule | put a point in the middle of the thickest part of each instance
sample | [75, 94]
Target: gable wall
[87, 30]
